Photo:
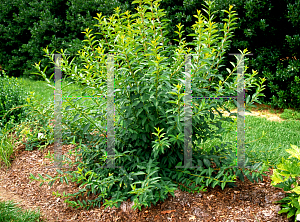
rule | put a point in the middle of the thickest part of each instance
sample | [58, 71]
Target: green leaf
[256, 165]
[66, 180]
[208, 182]
[246, 172]
[284, 210]
[59, 171]
[212, 116]
[49, 176]
[210, 170]
[135, 103]
[248, 99]
[250, 178]
[40, 176]
[240, 175]
[33, 176]
[78, 201]
[215, 183]
[68, 108]
[76, 117]
[179, 164]
[139, 111]
[138, 173]
[276, 177]
[180, 175]
[295, 152]
[86, 127]
[223, 185]
[206, 162]
[200, 163]
[51, 183]
[291, 213]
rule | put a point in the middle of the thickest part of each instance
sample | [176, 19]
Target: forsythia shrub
[149, 92]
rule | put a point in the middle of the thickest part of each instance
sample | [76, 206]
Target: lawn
[265, 140]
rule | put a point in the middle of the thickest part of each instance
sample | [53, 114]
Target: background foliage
[27, 26]
[270, 29]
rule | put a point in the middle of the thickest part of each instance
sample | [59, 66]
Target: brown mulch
[246, 202]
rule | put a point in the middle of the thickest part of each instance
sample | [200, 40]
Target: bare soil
[246, 202]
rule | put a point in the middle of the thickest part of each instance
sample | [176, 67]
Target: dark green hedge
[27, 26]
[270, 30]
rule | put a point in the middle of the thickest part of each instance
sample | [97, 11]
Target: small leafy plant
[12, 96]
[286, 176]
[6, 145]
[290, 114]
[35, 122]
[149, 82]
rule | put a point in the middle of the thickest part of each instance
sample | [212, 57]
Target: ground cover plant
[286, 176]
[10, 212]
[290, 114]
[12, 111]
[149, 103]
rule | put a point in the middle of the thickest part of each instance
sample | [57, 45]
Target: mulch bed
[246, 202]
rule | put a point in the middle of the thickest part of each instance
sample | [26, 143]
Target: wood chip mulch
[246, 202]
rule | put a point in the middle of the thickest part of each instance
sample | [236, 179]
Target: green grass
[45, 93]
[265, 140]
[6, 147]
[40, 88]
[9, 212]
